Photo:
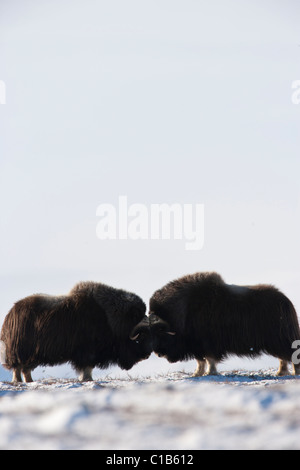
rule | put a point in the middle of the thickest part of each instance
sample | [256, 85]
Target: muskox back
[94, 325]
[203, 317]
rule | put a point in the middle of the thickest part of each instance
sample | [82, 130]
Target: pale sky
[162, 101]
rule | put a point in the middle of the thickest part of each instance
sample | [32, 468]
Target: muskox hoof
[283, 369]
[27, 375]
[211, 366]
[199, 372]
[86, 375]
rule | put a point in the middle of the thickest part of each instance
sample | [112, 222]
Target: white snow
[235, 410]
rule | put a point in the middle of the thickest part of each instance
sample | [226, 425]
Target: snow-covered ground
[235, 410]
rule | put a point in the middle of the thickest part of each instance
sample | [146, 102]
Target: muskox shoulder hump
[199, 278]
[208, 278]
[85, 288]
[106, 296]
[186, 284]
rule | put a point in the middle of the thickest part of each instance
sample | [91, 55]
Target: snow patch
[237, 410]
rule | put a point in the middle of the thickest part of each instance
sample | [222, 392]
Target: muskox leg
[296, 368]
[17, 375]
[200, 369]
[85, 375]
[211, 366]
[283, 368]
[27, 375]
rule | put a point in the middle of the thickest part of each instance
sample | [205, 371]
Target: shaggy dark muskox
[199, 316]
[94, 325]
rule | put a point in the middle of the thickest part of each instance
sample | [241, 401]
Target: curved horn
[154, 319]
[133, 338]
[135, 333]
[144, 321]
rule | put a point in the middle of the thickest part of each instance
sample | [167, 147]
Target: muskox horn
[154, 319]
[134, 334]
[133, 338]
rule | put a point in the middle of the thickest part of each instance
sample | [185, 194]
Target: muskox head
[138, 345]
[140, 338]
[166, 341]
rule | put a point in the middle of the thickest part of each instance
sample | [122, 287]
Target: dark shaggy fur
[94, 325]
[199, 316]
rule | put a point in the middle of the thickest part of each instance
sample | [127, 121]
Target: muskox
[199, 316]
[95, 325]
